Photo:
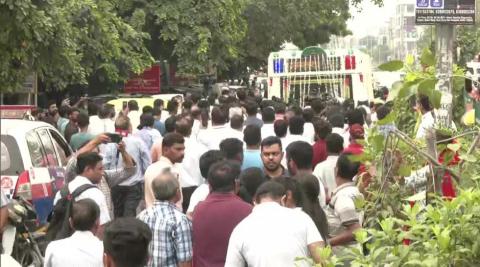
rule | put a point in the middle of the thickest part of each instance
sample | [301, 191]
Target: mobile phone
[124, 105]
[114, 138]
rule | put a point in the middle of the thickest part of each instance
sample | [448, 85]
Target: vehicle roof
[13, 126]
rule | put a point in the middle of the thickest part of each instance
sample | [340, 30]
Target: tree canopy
[69, 42]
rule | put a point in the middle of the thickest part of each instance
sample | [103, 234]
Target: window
[62, 148]
[51, 157]
[11, 159]
[410, 8]
[37, 154]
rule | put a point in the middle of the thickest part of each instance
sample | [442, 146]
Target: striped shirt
[172, 234]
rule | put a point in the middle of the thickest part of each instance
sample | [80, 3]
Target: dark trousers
[126, 199]
[187, 194]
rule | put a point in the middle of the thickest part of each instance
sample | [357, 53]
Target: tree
[66, 42]
[198, 35]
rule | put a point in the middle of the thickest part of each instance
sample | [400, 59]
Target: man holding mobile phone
[127, 195]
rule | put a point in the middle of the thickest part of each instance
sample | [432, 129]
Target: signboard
[453, 12]
[146, 83]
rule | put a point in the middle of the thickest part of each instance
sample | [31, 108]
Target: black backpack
[59, 225]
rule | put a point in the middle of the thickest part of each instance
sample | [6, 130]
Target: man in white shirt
[273, 235]
[173, 150]
[338, 126]
[325, 170]
[200, 194]
[308, 129]
[428, 121]
[219, 131]
[90, 168]
[104, 124]
[268, 117]
[299, 161]
[295, 129]
[83, 248]
[134, 115]
[236, 126]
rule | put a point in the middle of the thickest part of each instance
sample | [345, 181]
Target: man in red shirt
[215, 218]
[357, 133]
[322, 129]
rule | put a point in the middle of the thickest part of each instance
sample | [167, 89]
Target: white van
[33, 157]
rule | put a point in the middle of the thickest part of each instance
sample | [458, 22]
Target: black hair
[301, 153]
[195, 97]
[218, 116]
[322, 128]
[272, 189]
[251, 107]
[63, 110]
[157, 103]
[346, 168]
[104, 112]
[280, 107]
[222, 176]
[317, 105]
[208, 159]
[92, 109]
[72, 110]
[308, 114]
[270, 141]
[172, 106]
[132, 105]
[297, 111]
[382, 112]
[183, 127]
[310, 186]
[89, 159]
[172, 138]
[356, 116]
[280, 128]
[241, 94]
[187, 104]
[146, 120]
[126, 240]
[83, 120]
[157, 111]
[170, 124]
[295, 124]
[84, 215]
[337, 120]
[147, 109]
[236, 122]
[424, 102]
[334, 143]
[268, 115]
[250, 180]
[293, 186]
[231, 147]
[252, 135]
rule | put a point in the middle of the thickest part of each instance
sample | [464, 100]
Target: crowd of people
[232, 180]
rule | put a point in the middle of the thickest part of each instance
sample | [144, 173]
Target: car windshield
[10, 155]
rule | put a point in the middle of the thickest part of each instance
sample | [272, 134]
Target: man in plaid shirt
[172, 230]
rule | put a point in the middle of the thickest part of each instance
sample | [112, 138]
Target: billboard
[147, 82]
[453, 12]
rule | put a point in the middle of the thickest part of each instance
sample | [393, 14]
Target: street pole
[445, 37]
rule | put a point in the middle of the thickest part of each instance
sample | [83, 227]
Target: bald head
[165, 186]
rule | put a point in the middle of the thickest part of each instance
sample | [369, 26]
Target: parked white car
[33, 157]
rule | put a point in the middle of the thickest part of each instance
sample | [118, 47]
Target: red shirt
[319, 152]
[213, 222]
[354, 148]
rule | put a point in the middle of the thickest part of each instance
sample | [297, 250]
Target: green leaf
[388, 119]
[444, 239]
[454, 147]
[426, 87]
[405, 170]
[396, 87]
[409, 60]
[361, 236]
[436, 99]
[394, 65]
[427, 58]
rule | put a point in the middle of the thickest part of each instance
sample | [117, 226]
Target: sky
[370, 18]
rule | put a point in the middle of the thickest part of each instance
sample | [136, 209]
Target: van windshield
[10, 153]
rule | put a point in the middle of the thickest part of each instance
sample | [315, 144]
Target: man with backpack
[90, 172]
[83, 248]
